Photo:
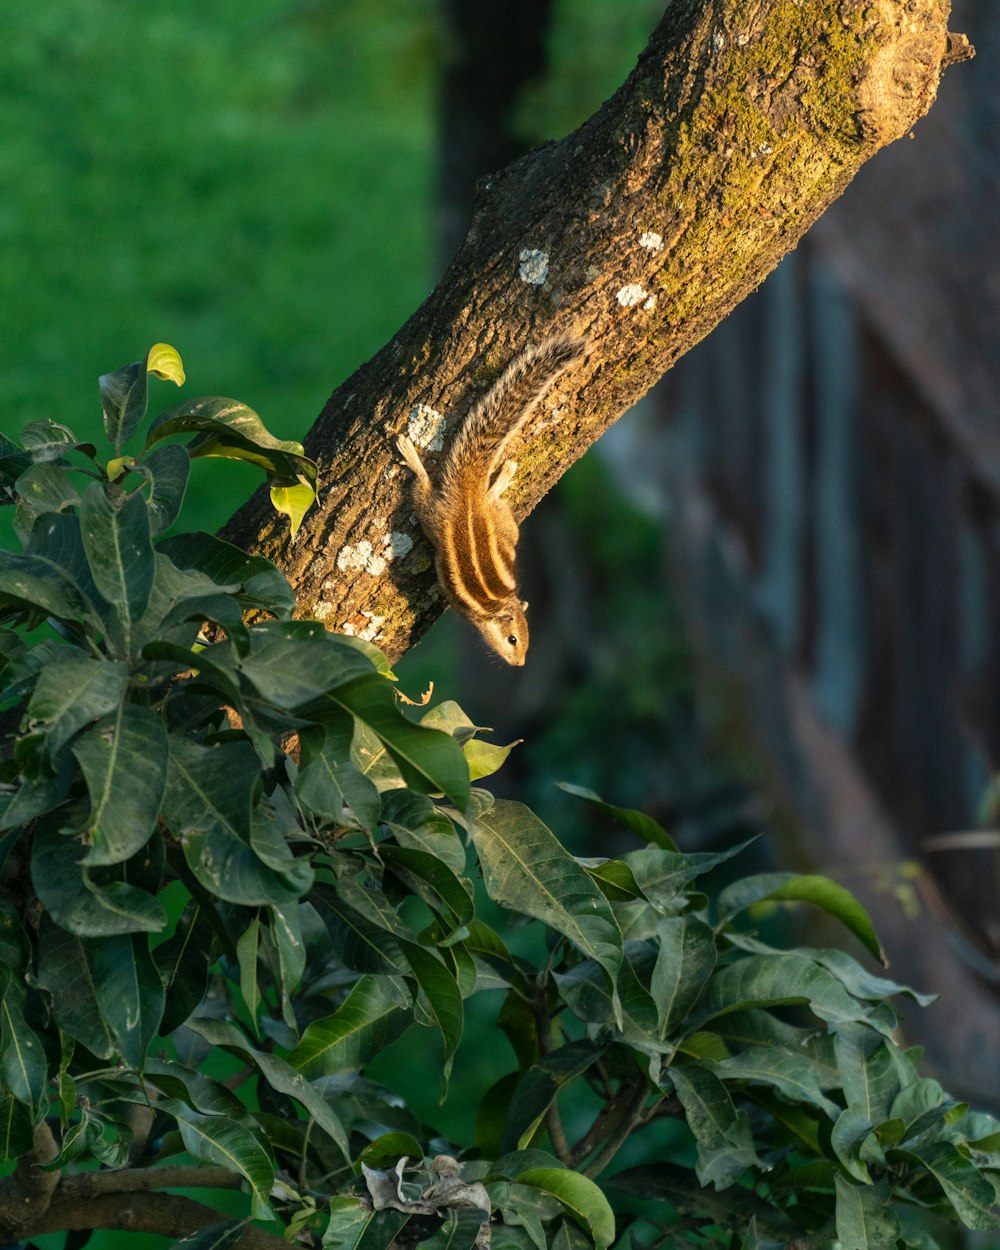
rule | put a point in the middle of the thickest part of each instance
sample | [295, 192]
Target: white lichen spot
[370, 631]
[425, 427]
[321, 610]
[348, 628]
[742, 40]
[718, 41]
[363, 556]
[398, 545]
[631, 295]
[534, 266]
[765, 149]
[650, 239]
[650, 303]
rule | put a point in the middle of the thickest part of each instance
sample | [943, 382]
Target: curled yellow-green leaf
[294, 501]
[165, 362]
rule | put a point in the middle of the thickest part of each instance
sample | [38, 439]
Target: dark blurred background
[766, 602]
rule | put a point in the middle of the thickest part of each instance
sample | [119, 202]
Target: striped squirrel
[465, 516]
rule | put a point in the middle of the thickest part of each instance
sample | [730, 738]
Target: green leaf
[632, 1014]
[247, 948]
[47, 440]
[120, 556]
[432, 880]
[864, 1219]
[580, 1197]
[365, 1023]
[387, 1149]
[16, 1129]
[444, 998]
[32, 581]
[537, 1089]
[292, 663]
[264, 585]
[328, 783]
[427, 759]
[46, 488]
[774, 980]
[99, 902]
[417, 824]
[685, 960]
[207, 807]
[229, 1143]
[129, 991]
[65, 971]
[74, 692]
[791, 1075]
[124, 762]
[526, 869]
[183, 963]
[970, 1193]
[279, 1074]
[167, 469]
[725, 1147]
[225, 427]
[355, 1226]
[867, 1072]
[638, 822]
[23, 1066]
[293, 501]
[807, 888]
[124, 394]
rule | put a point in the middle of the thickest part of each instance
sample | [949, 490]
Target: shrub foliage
[205, 942]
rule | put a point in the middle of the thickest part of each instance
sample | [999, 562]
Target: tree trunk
[741, 122]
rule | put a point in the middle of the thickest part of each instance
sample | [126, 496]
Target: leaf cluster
[207, 940]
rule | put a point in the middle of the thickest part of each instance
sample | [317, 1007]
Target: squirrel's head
[507, 631]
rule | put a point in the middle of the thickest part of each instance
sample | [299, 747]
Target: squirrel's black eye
[512, 639]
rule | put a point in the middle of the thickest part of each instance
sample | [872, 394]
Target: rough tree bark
[741, 122]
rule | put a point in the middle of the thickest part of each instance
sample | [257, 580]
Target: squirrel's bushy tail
[494, 420]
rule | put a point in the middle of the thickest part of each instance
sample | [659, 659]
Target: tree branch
[170, 1215]
[739, 125]
[140, 1180]
[25, 1195]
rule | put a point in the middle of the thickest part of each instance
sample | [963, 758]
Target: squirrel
[465, 516]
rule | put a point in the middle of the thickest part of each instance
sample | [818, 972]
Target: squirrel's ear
[524, 605]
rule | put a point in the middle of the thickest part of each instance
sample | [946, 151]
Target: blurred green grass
[249, 181]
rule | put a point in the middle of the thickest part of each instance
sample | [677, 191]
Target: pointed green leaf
[685, 960]
[864, 1219]
[365, 1023]
[129, 991]
[167, 469]
[222, 1140]
[807, 888]
[293, 501]
[31, 581]
[427, 759]
[207, 807]
[23, 1066]
[65, 971]
[120, 556]
[537, 1089]
[74, 692]
[970, 1193]
[98, 902]
[124, 761]
[355, 1226]
[264, 585]
[725, 1147]
[790, 1074]
[526, 869]
[868, 1074]
[183, 963]
[294, 662]
[638, 822]
[443, 997]
[432, 880]
[581, 1198]
[279, 1074]
[16, 1129]
[328, 783]
[767, 981]
[416, 823]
